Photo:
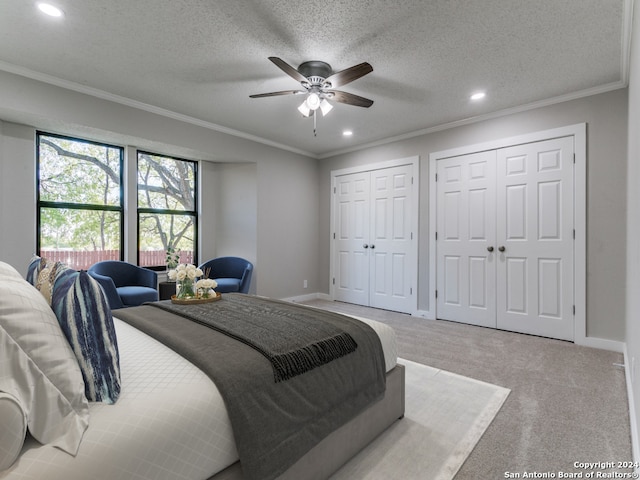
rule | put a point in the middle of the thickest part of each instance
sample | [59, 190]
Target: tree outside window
[167, 209]
[80, 209]
[80, 206]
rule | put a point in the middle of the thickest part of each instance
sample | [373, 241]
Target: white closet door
[375, 264]
[391, 263]
[518, 203]
[535, 229]
[352, 235]
[466, 253]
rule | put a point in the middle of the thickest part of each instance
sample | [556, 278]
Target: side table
[166, 290]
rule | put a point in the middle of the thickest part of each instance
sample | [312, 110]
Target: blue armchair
[125, 284]
[233, 274]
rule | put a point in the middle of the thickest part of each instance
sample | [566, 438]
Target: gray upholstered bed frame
[341, 445]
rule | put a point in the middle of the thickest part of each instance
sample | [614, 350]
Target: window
[79, 206]
[167, 209]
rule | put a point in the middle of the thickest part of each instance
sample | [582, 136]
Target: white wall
[606, 116]
[234, 231]
[285, 187]
[278, 194]
[633, 230]
[17, 192]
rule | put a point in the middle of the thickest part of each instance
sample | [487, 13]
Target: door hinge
[436, 177]
[411, 235]
[436, 235]
[574, 233]
[410, 290]
[574, 158]
[436, 293]
[574, 310]
[334, 190]
[334, 235]
[334, 280]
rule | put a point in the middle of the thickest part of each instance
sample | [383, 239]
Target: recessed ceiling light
[347, 133]
[478, 96]
[50, 9]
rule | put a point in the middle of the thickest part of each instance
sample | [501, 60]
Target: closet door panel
[465, 269]
[391, 246]
[535, 226]
[352, 234]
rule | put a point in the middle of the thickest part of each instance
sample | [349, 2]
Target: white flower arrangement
[205, 287]
[189, 283]
[184, 270]
[185, 276]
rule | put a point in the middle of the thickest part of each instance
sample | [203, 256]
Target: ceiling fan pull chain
[314, 125]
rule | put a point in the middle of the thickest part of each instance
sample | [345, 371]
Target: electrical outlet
[304, 284]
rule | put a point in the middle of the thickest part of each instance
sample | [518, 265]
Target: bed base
[340, 446]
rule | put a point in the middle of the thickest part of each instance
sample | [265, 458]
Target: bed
[170, 420]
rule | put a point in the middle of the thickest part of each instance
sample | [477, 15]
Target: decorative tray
[195, 300]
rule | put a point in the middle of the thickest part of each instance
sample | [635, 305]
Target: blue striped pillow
[85, 317]
[33, 270]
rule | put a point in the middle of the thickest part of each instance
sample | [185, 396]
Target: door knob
[373, 246]
[490, 249]
[501, 248]
[365, 246]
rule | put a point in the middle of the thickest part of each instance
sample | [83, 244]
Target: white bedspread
[169, 422]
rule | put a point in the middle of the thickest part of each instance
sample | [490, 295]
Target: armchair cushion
[135, 295]
[228, 285]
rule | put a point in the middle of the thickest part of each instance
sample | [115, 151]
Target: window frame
[40, 204]
[146, 210]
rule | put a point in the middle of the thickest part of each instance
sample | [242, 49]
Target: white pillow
[7, 270]
[13, 431]
[38, 367]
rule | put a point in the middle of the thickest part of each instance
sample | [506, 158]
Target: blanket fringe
[291, 364]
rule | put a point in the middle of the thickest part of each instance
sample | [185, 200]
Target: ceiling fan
[319, 81]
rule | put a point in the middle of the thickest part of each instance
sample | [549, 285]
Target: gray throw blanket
[293, 343]
[274, 423]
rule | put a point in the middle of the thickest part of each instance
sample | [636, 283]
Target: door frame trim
[579, 133]
[414, 162]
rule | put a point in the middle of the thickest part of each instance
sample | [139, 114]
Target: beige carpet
[445, 416]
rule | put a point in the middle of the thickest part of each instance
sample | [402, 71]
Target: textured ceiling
[203, 58]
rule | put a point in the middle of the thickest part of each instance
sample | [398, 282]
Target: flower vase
[185, 288]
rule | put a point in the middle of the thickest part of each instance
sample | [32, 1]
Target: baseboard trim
[635, 444]
[307, 297]
[601, 343]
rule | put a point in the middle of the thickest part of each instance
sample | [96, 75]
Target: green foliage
[85, 177]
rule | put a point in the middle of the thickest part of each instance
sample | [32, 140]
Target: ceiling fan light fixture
[318, 80]
[304, 109]
[325, 106]
[313, 101]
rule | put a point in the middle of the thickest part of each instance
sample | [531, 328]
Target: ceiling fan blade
[349, 98]
[349, 75]
[289, 70]
[275, 94]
